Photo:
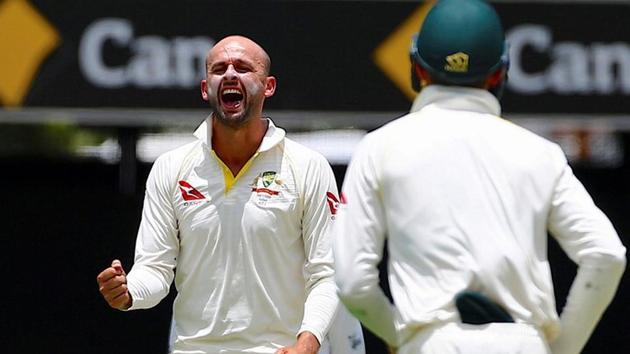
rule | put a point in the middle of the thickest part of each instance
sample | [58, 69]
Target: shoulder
[301, 155]
[523, 148]
[180, 153]
[307, 165]
[171, 162]
[408, 126]
[380, 141]
[399, 124]
[526, 139]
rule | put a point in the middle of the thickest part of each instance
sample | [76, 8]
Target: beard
[233, 120]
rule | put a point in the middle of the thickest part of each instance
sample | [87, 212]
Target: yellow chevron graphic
[26, 39]
[392, 56]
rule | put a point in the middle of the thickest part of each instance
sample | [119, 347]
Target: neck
[236, 145]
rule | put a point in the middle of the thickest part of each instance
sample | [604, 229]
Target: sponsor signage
[337, 56]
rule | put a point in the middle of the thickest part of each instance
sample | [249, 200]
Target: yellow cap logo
[26, 39]
[457, 63]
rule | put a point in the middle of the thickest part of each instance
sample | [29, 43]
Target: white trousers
[345, 334]
[493, 338]
[344, 337]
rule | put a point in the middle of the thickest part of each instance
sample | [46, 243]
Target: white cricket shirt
[465, 199]
[250, 254]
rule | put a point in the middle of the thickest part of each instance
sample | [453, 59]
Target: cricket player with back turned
[465, 200]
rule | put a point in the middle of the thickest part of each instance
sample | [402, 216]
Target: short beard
[234, 122]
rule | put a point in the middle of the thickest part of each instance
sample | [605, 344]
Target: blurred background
[92, 92]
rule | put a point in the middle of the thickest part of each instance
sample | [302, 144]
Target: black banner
[565, 58]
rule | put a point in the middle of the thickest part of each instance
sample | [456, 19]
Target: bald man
[243, 213]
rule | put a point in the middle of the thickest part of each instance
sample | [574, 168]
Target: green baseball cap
[460, 42]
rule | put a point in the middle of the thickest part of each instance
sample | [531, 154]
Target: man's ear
[204, 89]
[422, 74]
[495, 78]
[270, 86]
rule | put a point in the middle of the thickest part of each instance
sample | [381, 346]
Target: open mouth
[232, 98]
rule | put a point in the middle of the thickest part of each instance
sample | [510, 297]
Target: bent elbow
[344, 289]
[619, 262]
[347, 289]
[356, 282]
[351, 291]
[612, 262]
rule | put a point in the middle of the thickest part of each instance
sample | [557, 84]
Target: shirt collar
[457, 98]
[273, 135]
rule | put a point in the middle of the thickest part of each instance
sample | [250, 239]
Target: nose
[230, 73]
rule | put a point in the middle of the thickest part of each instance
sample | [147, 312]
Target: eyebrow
[236, 61]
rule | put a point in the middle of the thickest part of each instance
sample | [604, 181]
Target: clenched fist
[112, 283]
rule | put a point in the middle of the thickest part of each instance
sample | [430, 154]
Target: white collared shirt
[251, 252]
[465, 200]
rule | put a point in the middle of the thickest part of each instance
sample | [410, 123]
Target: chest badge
[268, 177]
[267, 183]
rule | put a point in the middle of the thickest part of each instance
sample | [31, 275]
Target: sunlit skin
[112, 283]
[236, 86]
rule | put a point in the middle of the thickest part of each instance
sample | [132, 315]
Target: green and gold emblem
[268, 177]
[457, 63]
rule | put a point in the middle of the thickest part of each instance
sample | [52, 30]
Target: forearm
[147, 287]
[157, 244]
[370, 305]
[319, 309]
[592, 291]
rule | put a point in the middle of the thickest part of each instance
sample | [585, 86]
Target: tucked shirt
[465, 199]
[250, 254]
